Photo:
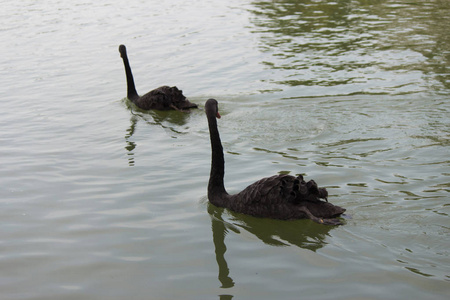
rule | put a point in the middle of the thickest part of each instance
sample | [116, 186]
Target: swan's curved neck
[216, 188]
[131, 89]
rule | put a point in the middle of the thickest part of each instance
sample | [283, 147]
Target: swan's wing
[165, 98]
[155, 99]
[284, 197]
[282, 189]
[265, 191]
[178, 100]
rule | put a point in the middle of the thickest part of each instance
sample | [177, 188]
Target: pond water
[99, 200]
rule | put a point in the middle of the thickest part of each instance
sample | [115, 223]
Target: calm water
[100, 201]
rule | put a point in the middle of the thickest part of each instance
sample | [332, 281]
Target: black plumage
[162, 98]
[283, 197]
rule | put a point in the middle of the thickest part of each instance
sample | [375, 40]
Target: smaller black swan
[162, 98]
[282, 197]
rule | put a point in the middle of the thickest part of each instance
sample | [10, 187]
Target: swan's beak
[218, 116]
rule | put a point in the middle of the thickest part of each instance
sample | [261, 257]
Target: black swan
[282, 197]
[162, 98]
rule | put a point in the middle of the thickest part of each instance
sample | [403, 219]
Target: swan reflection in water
[168, 120]
[301, 233]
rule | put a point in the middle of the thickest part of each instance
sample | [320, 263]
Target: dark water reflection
[171, 121]
[380, 47]
[301, 233]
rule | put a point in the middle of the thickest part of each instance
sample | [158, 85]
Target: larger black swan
[282, 197]
[162, 98]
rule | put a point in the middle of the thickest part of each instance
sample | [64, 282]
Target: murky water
[101, 201]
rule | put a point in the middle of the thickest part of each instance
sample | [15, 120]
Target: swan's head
[123, 51]
[212, 108]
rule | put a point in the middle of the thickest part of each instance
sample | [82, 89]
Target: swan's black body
[278, 197]
[162, 98]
